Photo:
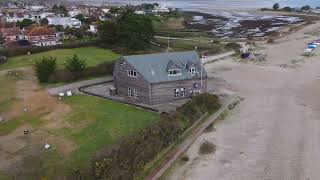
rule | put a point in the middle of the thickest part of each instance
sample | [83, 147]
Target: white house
[93, 28]
[65, 22]
[105, 10]
[140, 12]
[160, 9]
[73, 13]
[35, 8]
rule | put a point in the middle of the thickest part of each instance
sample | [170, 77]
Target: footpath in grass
[7, 92]
[93, 56]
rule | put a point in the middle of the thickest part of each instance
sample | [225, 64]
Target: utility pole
[201, 70]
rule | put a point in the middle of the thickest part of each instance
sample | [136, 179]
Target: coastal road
[274, 134]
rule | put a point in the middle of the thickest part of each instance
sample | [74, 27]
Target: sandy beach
[274, 133]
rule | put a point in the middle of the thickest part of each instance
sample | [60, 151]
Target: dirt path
[275, 132]
[33, 102]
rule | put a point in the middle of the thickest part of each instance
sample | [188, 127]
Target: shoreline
[239, 25]
[275, 96]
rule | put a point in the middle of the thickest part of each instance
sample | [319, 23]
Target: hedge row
[64, 75]
[9, 52]
[127, 158]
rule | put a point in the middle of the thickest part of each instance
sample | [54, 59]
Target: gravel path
[275, 133]
[73, 87]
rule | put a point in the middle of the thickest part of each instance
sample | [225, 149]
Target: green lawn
[96, 123]
[93, 56]
[102, 122]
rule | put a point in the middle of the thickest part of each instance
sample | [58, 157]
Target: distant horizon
[205, 5]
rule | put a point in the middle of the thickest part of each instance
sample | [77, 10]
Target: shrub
[185, 158]
[9, 52]
[3, 59]
[75, 64]
[234, 46]
[288, 9]
[270, 41]
[45, 68]
[207, 148]
[64, 75]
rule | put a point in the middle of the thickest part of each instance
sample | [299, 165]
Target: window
[193, 71]
[183, 92]
[174, 72]
[132, 73]
[122, 63]
[176, 93]
[130, 92]
[135, 93]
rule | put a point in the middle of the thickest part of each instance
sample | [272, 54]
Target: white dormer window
[122, 63]
[193, 71]
[174, 72]
[132, 73]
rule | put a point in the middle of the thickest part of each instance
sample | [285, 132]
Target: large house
[159, 78]
[65, 22]
[41, 36]
[9, 31]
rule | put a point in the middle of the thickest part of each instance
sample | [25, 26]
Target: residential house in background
[41, 36]
[159, 78]
[93, 28]
[9, 30]
[65, 22]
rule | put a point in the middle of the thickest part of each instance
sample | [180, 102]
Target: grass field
[184, 45]
[100, 122]
[93, 56]
[94, 124]
[7, 92]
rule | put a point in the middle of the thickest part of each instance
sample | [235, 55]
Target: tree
[25, 23]
[108, 32]
[60, 10]
[79, 33]
[288, 9]
[75, 64]
[135, 31]
[148, 6]
[306, 8]
[54, 8]
[45, 68]
[114, 11]
[59, 28]
[276, 6]
[80, 17]
[2, 38]
[44, 21]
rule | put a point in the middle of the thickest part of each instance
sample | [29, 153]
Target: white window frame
[178, 72]
[193, 71]
[176, 93]
[132, 73]
[135, 93]
[183, 92]
[130, 92]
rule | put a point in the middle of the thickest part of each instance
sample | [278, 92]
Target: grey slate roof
[154, 67]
